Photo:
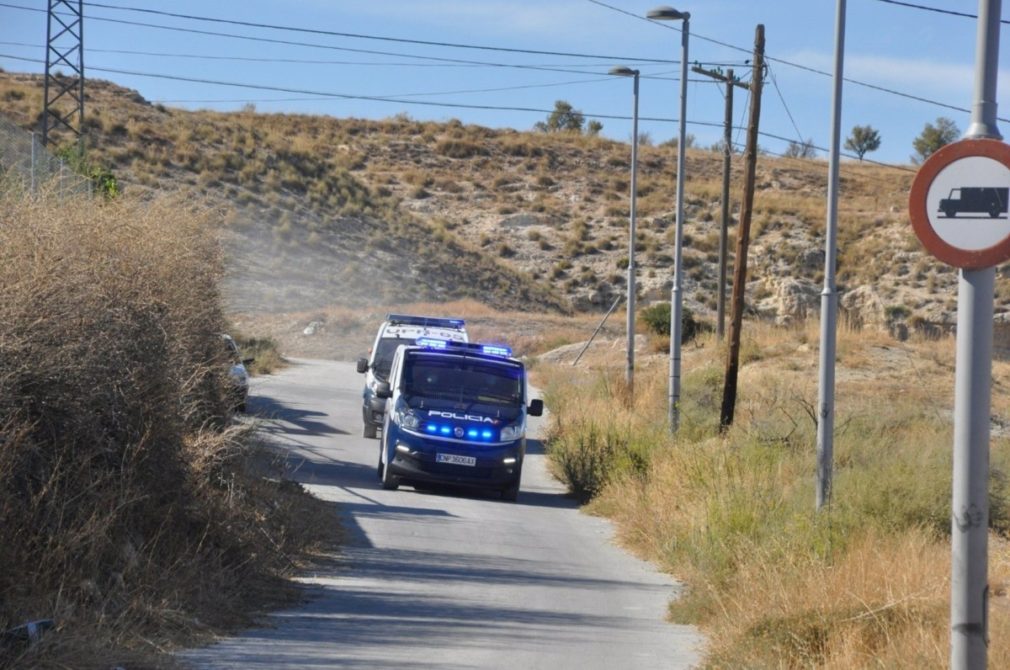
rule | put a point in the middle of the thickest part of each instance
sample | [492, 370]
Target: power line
[314, 45]
[842, 153]
[807, 68]
[935, 9]
[779, 154]
[402, 101]
[741, 126]
[350, 96]
[427, 43]
[307, 61]
[469, 62]
[775, 83]
[657, 76]
[333, 33]
[518, 87]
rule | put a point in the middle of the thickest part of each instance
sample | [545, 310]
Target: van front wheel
[511, 493]
[390, 482]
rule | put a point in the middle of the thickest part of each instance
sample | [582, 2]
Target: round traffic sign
[959, 203]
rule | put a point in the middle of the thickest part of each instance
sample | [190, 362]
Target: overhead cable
[798, 66]
[936, 9]
[402, 101]
[384, 38]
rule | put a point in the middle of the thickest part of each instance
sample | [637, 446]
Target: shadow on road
[457, 567]
[271, 411]
[418, 615]
[397, 624]
[527, 496]
[302, 468]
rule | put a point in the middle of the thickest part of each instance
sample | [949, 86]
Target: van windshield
[460, 378]
[382, 362]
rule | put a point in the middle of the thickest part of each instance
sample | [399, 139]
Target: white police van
[398, 329]
[455, 414]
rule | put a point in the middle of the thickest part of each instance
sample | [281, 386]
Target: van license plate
[456, 459]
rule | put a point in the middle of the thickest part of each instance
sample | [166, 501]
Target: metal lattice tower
[64, 48]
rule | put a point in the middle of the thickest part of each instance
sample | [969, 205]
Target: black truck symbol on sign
[989, 200]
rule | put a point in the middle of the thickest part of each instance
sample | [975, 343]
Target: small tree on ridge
[863, 140]
[933, 137]
[564, 117]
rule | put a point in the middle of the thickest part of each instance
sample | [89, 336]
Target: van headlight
[513, 432]
[406, 419]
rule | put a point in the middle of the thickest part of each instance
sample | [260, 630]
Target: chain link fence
[26, 164]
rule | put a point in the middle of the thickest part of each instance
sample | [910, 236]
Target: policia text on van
[455, 414]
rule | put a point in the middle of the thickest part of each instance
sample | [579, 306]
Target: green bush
[657, 319]
[587, 458]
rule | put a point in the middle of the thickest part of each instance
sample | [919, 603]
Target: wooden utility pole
[743, 234]
[727, 157]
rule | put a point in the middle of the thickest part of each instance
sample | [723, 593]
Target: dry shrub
[127, 509]
[772, 583]
[457, 148]
[881, 604]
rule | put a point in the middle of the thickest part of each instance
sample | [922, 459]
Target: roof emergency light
[426, 321]
[496, 350]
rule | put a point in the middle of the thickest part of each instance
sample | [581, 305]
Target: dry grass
[130, 513]
[294, 176]
[772, 583]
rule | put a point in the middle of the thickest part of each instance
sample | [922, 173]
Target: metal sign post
[959, 210]
[829, 294]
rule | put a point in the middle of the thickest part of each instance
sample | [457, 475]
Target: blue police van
[455, 414]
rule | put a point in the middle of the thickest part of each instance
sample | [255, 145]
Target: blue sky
[920, 53]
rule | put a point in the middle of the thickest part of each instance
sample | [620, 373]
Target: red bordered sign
[959, 203]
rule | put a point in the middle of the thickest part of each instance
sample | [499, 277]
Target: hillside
[348, 212]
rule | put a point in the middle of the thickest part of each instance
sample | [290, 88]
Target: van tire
[511, 493]
[389, 482]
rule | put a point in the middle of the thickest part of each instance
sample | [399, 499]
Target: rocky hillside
[328, 211]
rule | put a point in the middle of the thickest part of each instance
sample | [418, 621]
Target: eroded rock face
[791, 300]
[862, 308]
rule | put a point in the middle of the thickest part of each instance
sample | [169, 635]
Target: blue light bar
[431, 428]
[496, 350]
[445, 430]
[427, 321]
[472, 433]
[431, 343]
[486, 434]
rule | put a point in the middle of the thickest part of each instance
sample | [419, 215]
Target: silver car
[238, 375]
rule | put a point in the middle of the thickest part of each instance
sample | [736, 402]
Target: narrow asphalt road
[446, 579]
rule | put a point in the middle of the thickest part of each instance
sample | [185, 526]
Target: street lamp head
[667, 13]
[622, 71]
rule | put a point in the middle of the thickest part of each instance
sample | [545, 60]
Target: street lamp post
[630, 371]
[665, 13]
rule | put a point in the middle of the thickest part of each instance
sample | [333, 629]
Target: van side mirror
[362, 365]
[382, 390]
[536, 407]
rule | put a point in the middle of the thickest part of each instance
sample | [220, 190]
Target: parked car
[238, 374]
